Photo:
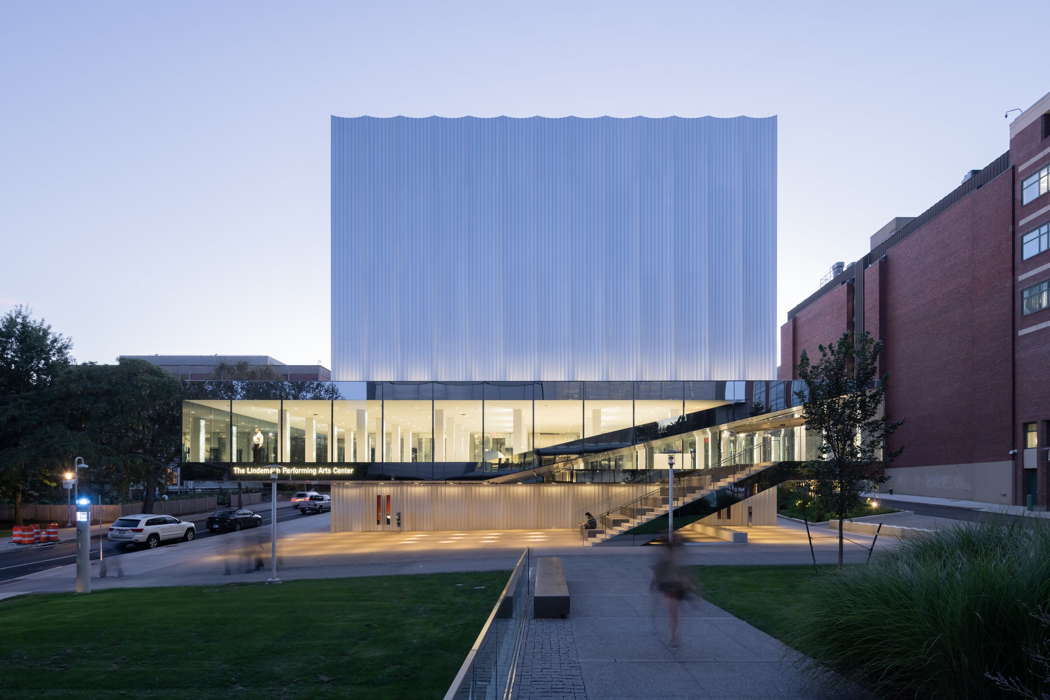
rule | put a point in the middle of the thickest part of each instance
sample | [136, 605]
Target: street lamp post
[670, 499]
[273, 529]
[67, 484]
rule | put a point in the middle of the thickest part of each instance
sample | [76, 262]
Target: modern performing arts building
[570, 305]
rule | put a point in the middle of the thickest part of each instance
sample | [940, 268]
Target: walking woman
[673, 582]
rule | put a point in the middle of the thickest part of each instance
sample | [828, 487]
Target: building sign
[291, 472]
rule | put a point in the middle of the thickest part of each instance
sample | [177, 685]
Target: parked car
[226, 519]
[301, 496]
[318, 503]
[150, 530]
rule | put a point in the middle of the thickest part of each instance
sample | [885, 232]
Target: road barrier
[51, 534]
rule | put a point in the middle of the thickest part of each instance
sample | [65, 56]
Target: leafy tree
[32, 358]
[124, 420]
[843, 403]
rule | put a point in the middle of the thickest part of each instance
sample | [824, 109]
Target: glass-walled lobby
[499, 423]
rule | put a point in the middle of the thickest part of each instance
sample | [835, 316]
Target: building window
[1035, 185]
[1031, 435]
[1035, 298]
[1035, 242]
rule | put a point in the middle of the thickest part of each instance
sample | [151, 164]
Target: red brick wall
[941, 300]
[947, 304]
[1031, 350]
[820, 323]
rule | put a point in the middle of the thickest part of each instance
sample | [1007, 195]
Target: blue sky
[165, 165]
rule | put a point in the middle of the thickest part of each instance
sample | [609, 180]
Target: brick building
[961, 297]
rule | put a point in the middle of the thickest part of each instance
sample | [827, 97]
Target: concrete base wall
[763, 511]
[992, 482]
[479, 505]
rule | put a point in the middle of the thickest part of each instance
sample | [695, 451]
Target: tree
[843, 403]
[124, 420]
[32, 358]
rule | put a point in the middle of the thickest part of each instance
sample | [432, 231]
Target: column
[596, 421]
[311, 438]
[286, 437]
[198, 435]
[439, 435]
[395, 444]
[361, 436]
[406, 454]
[333, 444]
[518, 435]
[452, 438]
[233, 443]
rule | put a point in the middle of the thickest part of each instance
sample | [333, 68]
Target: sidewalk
[615, 645]
[982, 506]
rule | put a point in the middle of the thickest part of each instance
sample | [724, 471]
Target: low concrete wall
[723, 533]
[991, 482]
[109, 513]
[870, 529]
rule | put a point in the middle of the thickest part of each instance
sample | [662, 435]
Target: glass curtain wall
[408, 422]
[458, 422]
[305, 431]
[559, 413]
[255, 432]
[608, 413]
[206, 431]
[508, 423]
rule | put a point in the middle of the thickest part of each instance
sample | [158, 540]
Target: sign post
[83, 582]
[273, 529]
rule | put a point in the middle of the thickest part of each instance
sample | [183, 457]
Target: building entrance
[388, 511]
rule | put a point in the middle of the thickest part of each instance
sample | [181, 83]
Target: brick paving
[550, 666]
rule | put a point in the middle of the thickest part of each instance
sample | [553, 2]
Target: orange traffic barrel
[34, 534]
[21, 534]
[52, 533]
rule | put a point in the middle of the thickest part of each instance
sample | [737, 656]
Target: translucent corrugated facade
[473, 249]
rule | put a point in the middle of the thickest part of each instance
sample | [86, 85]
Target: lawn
[772, 598]
[375, 637]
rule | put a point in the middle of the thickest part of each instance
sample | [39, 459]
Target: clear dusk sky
[164, 166]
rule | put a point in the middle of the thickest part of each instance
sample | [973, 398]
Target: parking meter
[83, 583]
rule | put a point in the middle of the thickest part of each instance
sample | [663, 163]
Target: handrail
[520, 569]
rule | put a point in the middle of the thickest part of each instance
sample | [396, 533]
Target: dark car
[226, 519]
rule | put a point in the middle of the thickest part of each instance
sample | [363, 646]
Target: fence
[491, 665]
[109, 513]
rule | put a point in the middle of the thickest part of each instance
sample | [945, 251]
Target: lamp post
[670, 499]
[273, 528]
[67, 484]
[78, 464]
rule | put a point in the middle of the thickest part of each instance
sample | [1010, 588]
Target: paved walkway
[981, 506]
[615, 645]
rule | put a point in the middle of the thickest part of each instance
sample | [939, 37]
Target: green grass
[931, 619]
[775, 599]
[375, 637]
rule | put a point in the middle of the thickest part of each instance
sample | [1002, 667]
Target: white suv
[150, 530]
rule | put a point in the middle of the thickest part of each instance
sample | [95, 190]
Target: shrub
[939, 616]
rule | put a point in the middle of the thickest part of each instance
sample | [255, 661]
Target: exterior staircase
[696, 495]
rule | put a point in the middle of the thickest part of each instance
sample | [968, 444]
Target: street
[33, 558]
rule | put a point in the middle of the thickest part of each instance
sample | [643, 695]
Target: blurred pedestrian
[672, 582]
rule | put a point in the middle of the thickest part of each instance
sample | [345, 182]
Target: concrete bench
[551, 596]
